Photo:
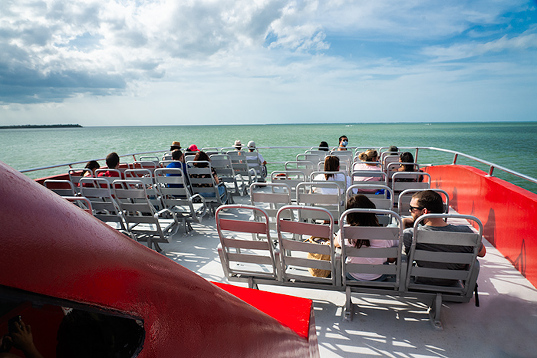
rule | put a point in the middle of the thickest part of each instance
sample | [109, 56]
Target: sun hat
[237, 144]
[251, 144]
[176, 144]
[193, 148]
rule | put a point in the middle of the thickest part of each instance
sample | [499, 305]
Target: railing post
[455, 159]
[491, 169]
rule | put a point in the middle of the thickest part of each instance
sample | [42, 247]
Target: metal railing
[456, 156]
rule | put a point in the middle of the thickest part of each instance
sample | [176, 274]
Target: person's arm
[337, 239]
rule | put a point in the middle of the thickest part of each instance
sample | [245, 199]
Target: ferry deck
[503, 325]
[382, 326]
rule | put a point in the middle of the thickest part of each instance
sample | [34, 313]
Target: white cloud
[247, 52]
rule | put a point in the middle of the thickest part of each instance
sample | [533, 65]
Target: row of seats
[249, 252]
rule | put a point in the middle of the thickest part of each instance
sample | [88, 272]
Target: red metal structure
[53, 249]
[507, 211]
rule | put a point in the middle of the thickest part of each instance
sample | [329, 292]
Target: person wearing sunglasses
[430, 202]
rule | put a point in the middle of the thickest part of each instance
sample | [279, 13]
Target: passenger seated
[178, 163]
[369, 158]
[323, 146]
[237, 145]
[407, 157]
[331, 164]
[364, 219]
[253, 154]
[202, 156]
[175, 145]
[343, 141]
[430, 202]
[91, 165]
[112, 162]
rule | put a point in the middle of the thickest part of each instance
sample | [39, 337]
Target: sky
[169, 62]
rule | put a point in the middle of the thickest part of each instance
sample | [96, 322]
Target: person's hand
[23, 339]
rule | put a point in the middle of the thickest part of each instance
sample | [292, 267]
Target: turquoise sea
[509, 144]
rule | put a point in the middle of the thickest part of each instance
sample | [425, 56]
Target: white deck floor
[505, 324]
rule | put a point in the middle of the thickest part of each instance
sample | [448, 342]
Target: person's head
[112, 160]
[193, 148]
[369, 155]
[237, 145]
[426, 202]
[343, 141]
[175, 145]
[323, 146]
[361, 201]
[92, 165]
[393, 148]
[331, 164]
[201, 156]
[177, 154]
[251, 146]
[407, 157]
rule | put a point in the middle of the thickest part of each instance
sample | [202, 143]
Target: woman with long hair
[331, 164]
[363, 219]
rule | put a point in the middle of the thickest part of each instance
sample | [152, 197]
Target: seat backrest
[132, 198]
[270, 197]
[144, 175]
[339, 177]
[410, 180]
[61, 187]
[115, 174]
[295, 251]
[76, 174]
[241, 254]
[99, 192]
[368, 262]
[386, 158]
[403, 201]
[171, 182]
[145, 164]
[380, 194]
[361, 176]
[82, 202]
[202, 180]
[445, 260]
[326, 195]
[305, 167]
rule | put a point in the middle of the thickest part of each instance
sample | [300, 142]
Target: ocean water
[508, 144]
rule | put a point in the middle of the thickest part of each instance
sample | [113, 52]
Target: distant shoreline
[33, 126]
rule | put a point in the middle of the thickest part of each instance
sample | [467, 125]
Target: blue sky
[165, 62]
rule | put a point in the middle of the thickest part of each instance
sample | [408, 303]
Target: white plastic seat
[325, 195]
[430, 255]
[141, 218]
[176, 196]
[244, 258]
[224, 169]
[270, 197]
[105, 208]
[203, 183]
[292, 233]
[395, 271]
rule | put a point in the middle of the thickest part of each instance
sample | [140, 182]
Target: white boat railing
[456, 156]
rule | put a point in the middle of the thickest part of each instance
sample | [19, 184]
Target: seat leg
[434, 312]
[348, 304]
